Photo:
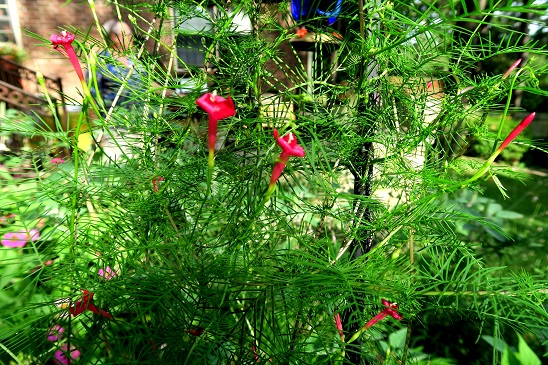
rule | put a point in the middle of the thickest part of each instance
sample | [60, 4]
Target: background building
[24, 21]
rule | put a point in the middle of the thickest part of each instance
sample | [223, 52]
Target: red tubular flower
[196, 332]
[337, 35]
[65, 40]
[254, 349]
[338, 324]
[514, 65]
[218, 108]
[521, 126]
[86, 304]
[289, 146]
[301, 32]
[391, 309]
[155, 183]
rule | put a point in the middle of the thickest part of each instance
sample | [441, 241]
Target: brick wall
[44, 17]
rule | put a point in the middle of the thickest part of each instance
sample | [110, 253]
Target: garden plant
[303, 210]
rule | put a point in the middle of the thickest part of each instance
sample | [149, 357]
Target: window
[193, 40]
[192, 49]
[9, 23]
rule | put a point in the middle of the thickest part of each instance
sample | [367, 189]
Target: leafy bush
[12, 50]
[304, 227]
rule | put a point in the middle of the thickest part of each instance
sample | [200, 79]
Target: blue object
[304, 9]
[110, 76]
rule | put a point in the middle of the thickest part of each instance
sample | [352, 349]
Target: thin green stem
[97, 23]
[506, 108]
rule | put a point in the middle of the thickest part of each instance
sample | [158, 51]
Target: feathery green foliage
[214, 274]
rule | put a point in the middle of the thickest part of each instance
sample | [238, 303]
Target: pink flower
[60, 357]
[15, 239]
[65, 40]
[218, 108]
[55, 333]
[289, 146]
[34, 234]
[19, 239]
[390, 310]
[107, 273]
[86, 304]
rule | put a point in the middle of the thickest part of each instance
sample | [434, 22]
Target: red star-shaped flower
[289, 146]
[86, 304]
[218, 108]
[390, 310]
[65, 40]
